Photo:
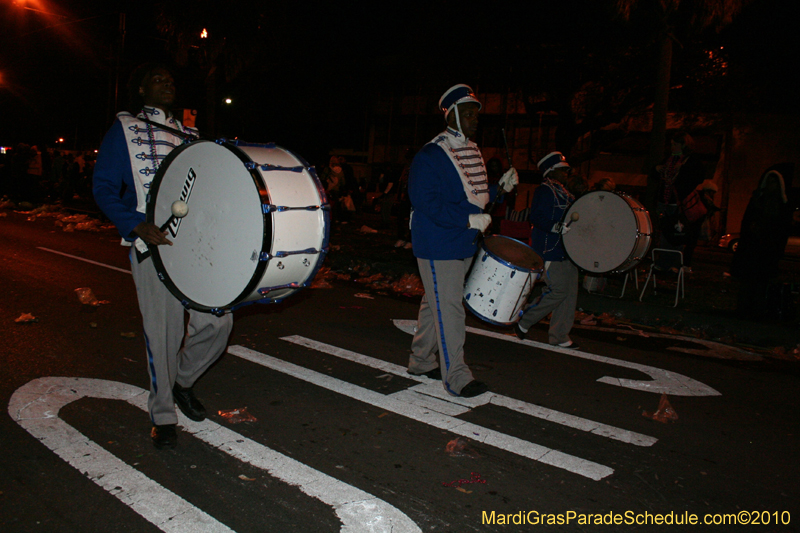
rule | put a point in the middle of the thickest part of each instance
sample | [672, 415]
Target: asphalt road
[343, 440]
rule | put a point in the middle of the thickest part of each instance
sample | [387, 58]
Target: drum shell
[497, 289]
[226, 251]
[612, 232]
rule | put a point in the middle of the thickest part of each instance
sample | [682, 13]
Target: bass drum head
[605, 234]
[214, 260]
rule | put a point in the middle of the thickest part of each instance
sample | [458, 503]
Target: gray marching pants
[560, 298]
[441, 323]
[206, 337]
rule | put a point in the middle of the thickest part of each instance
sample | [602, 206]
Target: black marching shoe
[164, 436]
[473, 388]
[518, 331]
[188, 404]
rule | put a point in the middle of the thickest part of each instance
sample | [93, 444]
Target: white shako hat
[552, 161]
[457, 94]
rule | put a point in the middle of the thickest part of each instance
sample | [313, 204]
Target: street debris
[128, 334]
[26, 318]
[235, 416]
[245, 478]
[87, 297]
[367, 229]
[458, 448]
[409, 285]
[475, 478]
[365, 296]
[665, 411]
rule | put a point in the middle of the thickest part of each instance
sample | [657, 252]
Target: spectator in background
[387, 194]
[764, 233]
[59, 172]
[332, 178]
[604, 184]
[577, 185]
[693, 229]
[404, 204]
[679, 175]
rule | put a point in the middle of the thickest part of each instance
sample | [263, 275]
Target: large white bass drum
[257, 227]
[608, 232]
[502, 276]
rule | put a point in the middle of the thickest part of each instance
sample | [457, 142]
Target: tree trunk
[659, 131]
[661, 103]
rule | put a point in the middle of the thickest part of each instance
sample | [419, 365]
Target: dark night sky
[310, 87]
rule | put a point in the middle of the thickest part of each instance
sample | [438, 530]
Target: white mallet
[572, 218]
[179, 210]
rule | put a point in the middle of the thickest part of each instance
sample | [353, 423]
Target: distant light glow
[228, 101]
[204, 34]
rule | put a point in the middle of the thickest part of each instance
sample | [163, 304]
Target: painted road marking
[432, 396]
[664, 381]
[427, 416]
[35, 407]
[716, 350]
[84, 260]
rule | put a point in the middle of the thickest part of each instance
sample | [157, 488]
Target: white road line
[664, 381]
[84, 260]
[35, 407]
[444, 403]
[427, 416]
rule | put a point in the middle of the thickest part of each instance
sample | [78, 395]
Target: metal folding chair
[679, 289]
[624, 284]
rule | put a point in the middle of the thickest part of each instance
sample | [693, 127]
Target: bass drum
[502, 276]
[257, 229]
[611, 234]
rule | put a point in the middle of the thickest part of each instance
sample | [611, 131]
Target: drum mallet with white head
[179, 210]
[574, 217]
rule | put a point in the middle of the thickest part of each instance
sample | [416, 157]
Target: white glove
[509, 180]
[558, 227]
[480, 222]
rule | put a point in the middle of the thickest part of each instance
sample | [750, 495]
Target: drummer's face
[560, 174]
[468, 113]
[158, 90]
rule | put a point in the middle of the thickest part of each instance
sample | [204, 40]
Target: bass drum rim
[163, 275]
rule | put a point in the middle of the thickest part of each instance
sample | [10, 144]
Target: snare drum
[612, 232]
[501, 278]
[257, 229]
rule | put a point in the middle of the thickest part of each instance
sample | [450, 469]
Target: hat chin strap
[458, 122]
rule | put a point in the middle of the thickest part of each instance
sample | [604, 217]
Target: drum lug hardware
[280, 266]
[306, 262]
[264, 256]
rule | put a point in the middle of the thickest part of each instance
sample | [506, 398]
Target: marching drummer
[549, 203]
[448, 188]
[129, 157]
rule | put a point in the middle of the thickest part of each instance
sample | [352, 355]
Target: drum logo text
[188, 185]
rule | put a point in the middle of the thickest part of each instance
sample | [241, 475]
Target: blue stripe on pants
[441, 329]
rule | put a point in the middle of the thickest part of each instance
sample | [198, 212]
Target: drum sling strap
[179, 133]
